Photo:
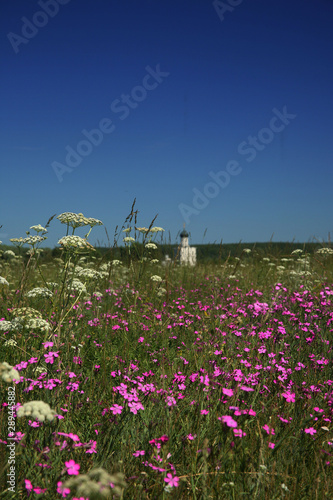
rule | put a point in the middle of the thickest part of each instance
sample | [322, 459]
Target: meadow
[134, 379]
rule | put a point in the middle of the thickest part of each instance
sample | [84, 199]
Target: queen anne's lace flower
[39, 229]
[325, 251]
[8, 373]
[6, 326]
[78, 220]
[98, 483]
[39, 292]
[128, 239]
[89, 274]
[36, 409]
[75, 242]
[156, 278]
[3, 281]
[156, 229]
[151, 246]
[77, 286]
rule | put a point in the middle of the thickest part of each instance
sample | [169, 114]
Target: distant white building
[188, 255]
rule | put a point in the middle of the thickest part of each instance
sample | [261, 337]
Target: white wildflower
[127, 230]
[76, 285]
[154, 261]
[247, 250]
[39, 229]
[38, 324]
[9, 254]
[89, 274]
[3, 281]
[98, 483]
[151, 246]
[38, 410]
[39, 292]
[8, 373]
[156, 229]
[116, 262]
[78, 220]
[156, 278]
[266, 259]
[128, 239]
[325, 251]
[142, 229]
[6, 326]
[10, 342]
[297, 251]
[74, 242]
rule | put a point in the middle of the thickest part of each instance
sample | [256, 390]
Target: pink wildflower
[171, 480]
[290, 396]
[72, 468]
[310, 430]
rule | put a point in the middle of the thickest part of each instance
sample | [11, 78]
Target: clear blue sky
[180, 90]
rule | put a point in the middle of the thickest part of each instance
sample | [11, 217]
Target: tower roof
[184, 234]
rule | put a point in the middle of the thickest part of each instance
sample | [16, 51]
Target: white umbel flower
[156, 278]
[38, 410]
[74, 242]
[8, 373]
[3, 281]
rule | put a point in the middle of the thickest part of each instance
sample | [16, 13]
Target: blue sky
[214, 114]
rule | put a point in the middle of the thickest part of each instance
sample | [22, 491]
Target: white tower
[188, 255]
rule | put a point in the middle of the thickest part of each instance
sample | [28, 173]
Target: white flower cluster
[28, 321]
[9, 254]
[8, 373]
[142, 229]
[128, 239]
[98, 483]
[89, 274]
[156, 278]
[74, 242]
[156, 230]
[76, 285]
[151, 246]
[78, 220]
[3, 281]
[116, 262]
[38, 324]
[36, 409]
[39, 292]
[325, 251]
[154, 261]
[29, 240]
[6, 326]
[247, 250]
[297, 251]
[39, 229]
[10, 342]
[98, 295]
